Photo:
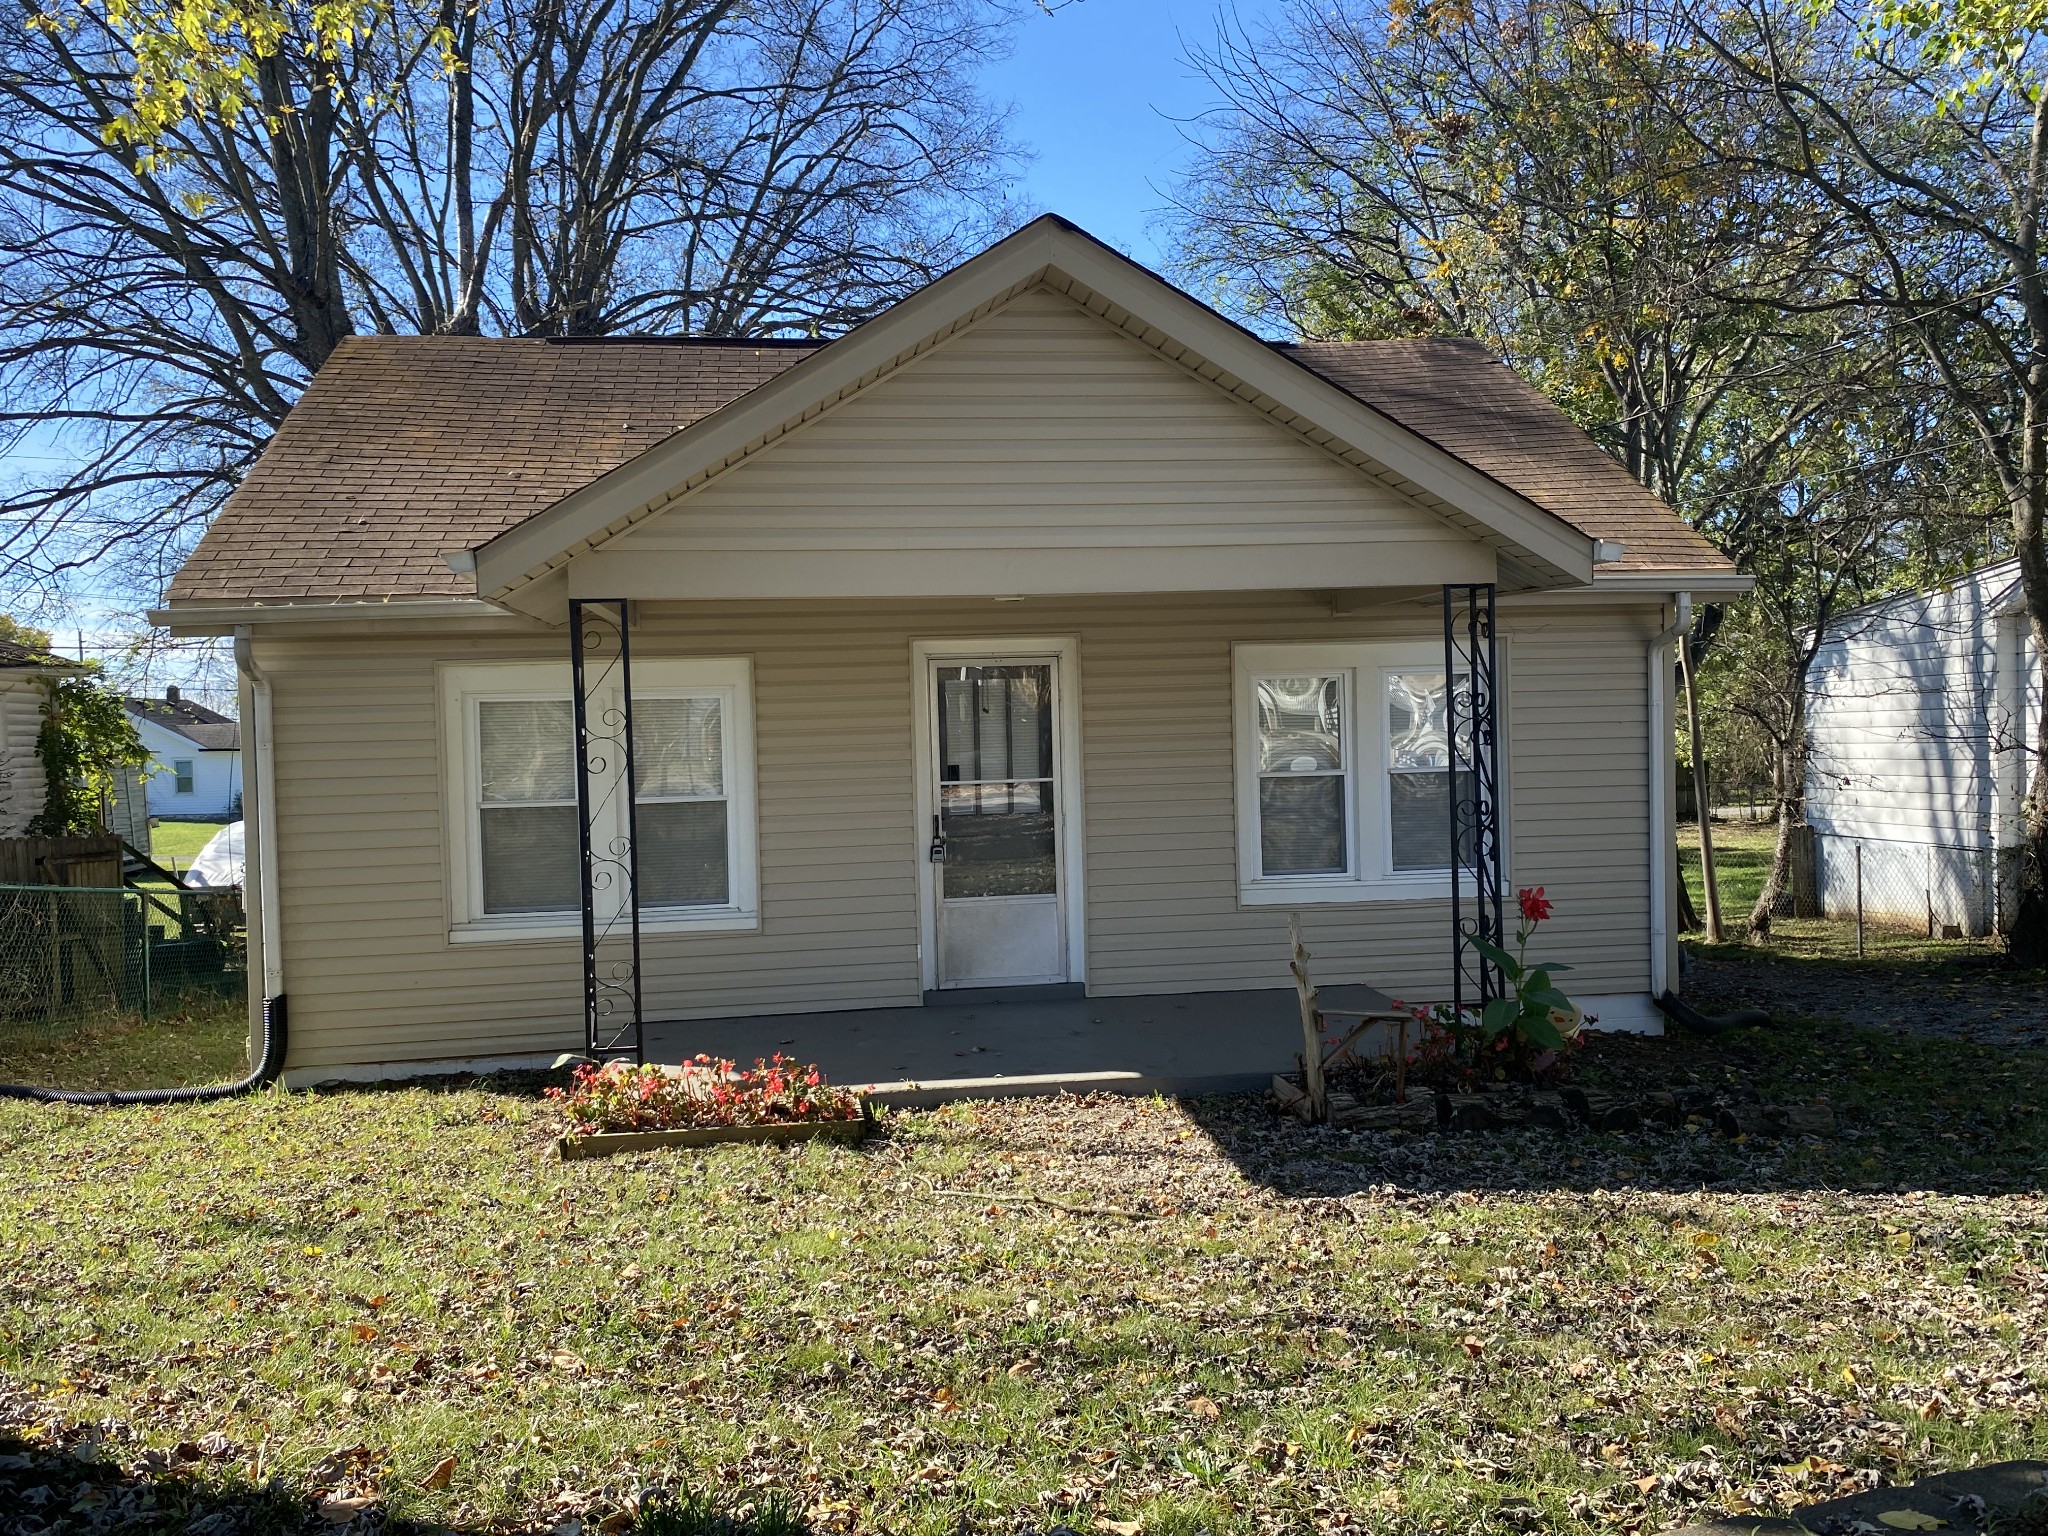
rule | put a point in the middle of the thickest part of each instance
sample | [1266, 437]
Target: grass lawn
[1177, 1318]
[1742, 858]
[192, 1040]
[181, 840]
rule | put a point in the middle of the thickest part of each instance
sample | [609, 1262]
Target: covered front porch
[1025, 1040]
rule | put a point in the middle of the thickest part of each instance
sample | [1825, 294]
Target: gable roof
[206, 729]
[405, 448]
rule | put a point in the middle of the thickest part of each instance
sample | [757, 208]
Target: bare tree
[1932, 142]
[513, 167]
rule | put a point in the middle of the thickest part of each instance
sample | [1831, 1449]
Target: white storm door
[997, 831]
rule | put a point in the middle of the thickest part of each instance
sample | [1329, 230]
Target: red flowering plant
[704, 1091]
[1526, 1034]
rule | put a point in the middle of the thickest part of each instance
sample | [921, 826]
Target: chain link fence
[1928, 889]
[1846, 894]
[72, 958]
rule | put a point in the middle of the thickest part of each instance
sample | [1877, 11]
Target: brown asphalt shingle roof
[14, 654]
[405, 447]
[1456, 394]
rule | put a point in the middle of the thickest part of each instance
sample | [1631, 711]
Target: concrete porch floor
[1028, 1040]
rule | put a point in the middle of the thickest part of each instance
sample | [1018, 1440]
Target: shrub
[704, 1091]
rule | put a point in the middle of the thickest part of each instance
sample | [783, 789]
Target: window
[181, 776]
[1344, 772]
[512, 798]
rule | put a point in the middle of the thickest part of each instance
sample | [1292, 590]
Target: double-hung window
[181, 776]
[515, 860]
[1345, 786]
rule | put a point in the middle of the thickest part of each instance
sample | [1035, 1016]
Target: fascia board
[221, 618]
[582, 518]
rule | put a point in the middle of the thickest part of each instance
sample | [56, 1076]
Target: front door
[996, 832]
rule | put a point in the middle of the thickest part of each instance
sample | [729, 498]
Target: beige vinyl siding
[372, 975]
[1043, 435]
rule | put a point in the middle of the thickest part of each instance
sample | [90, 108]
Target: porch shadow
[1029, 1040]
[1913, 1115]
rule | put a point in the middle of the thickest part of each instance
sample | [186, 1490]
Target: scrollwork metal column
[1471, 674]
[601, 662]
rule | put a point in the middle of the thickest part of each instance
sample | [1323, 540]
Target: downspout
[1660, 764]
[267, 1010]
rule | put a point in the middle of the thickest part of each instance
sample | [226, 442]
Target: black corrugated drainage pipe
[269, 1063]
[1691, 1020]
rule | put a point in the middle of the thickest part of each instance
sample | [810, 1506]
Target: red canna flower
[1535, 907]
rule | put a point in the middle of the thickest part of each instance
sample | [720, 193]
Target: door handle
[937, 853]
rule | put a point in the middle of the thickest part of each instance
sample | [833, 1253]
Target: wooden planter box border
[610, 1143]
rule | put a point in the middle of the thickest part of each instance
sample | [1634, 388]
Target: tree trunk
[1788, 782]
[1702, 801]
[2026, 935]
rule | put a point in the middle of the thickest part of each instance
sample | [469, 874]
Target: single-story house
[23, 673]
[1922, 711]
[195, 757]
[1047, 631]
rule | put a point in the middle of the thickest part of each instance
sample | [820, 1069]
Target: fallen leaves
[442, 1474]
[1204, 1408]
[1910, 1520]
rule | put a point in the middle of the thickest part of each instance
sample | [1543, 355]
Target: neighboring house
[23, 787]
[1922, 708]
[196, 757]
[23, 673]
[1048, 630]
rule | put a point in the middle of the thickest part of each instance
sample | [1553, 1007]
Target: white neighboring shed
[197, 757]
[1922, 711]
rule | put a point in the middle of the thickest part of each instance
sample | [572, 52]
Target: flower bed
[620, 1107]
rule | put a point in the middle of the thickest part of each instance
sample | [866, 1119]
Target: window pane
[1301, 724]
[530, 859]
[679, 746]
[995, 723]
[529, 750]
[1301, 826]
[683, 860]
[1418, 728]
[999, 840]
[1421, 812]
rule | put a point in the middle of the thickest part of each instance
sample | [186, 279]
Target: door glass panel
[999, 839]
[995, 723]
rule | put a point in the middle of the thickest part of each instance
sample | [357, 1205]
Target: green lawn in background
[1742, 859]
[181, 840]
[192, 1040]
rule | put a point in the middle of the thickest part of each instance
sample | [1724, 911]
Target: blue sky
[1097, 85]
[1097, 88]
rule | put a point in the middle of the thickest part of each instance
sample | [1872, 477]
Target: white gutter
[1662, 847]
[259, 836]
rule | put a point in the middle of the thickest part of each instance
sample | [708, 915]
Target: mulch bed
[1981, 1001]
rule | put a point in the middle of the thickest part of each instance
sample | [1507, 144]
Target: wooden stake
[1311, 1025]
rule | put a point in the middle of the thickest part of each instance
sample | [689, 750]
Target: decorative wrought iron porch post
[601, 664]
[1471, 673]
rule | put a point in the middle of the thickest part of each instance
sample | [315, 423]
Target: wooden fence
[73, 861]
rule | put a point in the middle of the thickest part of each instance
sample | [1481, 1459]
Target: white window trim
[728, 678]
[1362, 665]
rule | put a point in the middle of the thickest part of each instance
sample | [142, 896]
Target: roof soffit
[1538, 548]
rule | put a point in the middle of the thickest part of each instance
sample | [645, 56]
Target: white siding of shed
[372, 975]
